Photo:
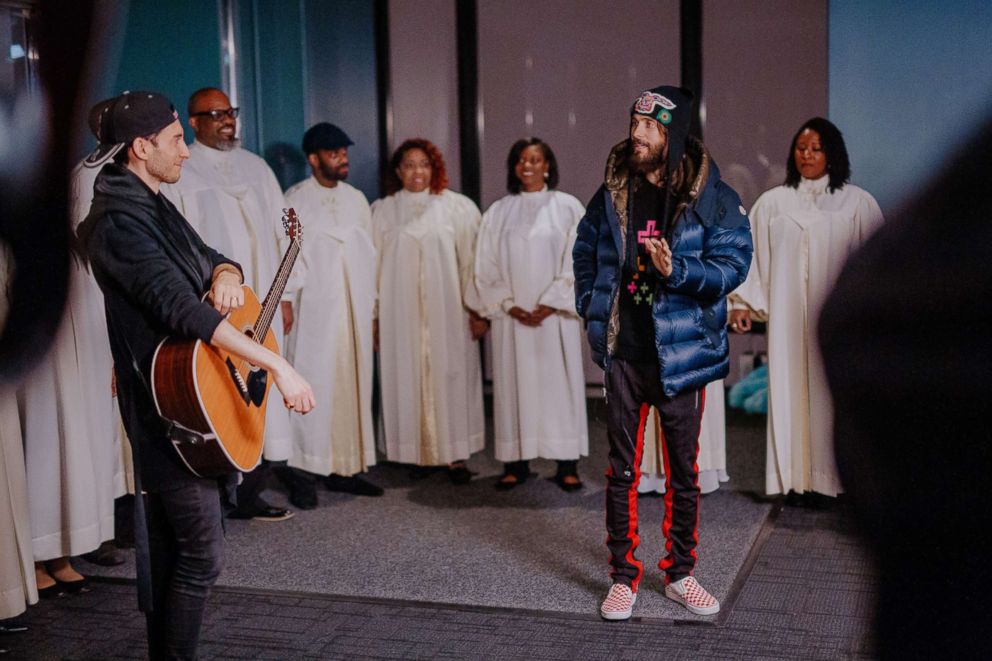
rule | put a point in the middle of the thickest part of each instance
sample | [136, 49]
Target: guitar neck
[271, 302]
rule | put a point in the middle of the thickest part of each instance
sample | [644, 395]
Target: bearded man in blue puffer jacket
[661, 245]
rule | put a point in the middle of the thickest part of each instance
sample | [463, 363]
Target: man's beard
[332, 173]
[231, 144]
[163, 170]
[653, 160]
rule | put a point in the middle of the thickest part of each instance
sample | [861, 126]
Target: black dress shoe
[303, 495]
[106, 555]
[353, 484]
[261, 513]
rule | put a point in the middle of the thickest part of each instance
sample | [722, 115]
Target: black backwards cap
[324, 136]
[672, 108]
[117, 121]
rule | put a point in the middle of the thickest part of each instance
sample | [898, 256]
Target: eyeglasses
[217, 115]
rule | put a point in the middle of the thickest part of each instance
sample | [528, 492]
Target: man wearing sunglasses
[232, 199]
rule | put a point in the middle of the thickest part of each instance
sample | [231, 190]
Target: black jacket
[153, 269]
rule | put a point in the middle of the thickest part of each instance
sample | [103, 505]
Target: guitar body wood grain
[193, 385]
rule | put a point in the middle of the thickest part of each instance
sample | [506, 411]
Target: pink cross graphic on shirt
[632, 287]
[648, 233]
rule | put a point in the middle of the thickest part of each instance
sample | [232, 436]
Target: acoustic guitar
[214, 401]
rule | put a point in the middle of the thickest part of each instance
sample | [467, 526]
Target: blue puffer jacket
[711, 253]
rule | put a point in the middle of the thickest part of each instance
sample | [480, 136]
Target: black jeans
[631, 390]
[186, 541]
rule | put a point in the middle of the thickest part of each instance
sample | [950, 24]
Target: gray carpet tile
[440, 543]
[778, 615]
[534, 547]
[806, 590]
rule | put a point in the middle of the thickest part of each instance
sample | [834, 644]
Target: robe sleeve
[466, 219]
[130, 256]
[377, 210]
[560, 294]
[495, 294]
[869, 216]
[726, 256]
[752, 295]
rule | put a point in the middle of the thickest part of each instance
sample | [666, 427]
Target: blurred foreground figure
[905, 340]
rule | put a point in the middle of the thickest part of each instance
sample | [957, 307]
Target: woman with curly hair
[803, 232]
[426, 327]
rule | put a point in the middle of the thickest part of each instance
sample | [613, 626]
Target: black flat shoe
[353, 485]
[12, 626]
[459, 474]
[567, 487]
[303, 496]
[51, 592]
[263, 513]
[508, 481]
[73, 587]
[421, 472]
[106, 555]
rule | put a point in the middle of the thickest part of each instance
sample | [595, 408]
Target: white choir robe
[82, 180]
[331, 340]
[430, 369]
[524, 259]
[712, 457]
[234, 202]
[17, 582]
[802, 238]
[67, 416]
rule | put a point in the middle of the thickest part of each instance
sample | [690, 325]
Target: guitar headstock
[291, 223]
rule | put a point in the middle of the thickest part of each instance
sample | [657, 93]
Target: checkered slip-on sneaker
[619, 603]
[691, 594]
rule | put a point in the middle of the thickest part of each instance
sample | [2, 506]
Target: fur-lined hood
[696, 163]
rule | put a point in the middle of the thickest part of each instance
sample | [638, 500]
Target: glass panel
[19, 57]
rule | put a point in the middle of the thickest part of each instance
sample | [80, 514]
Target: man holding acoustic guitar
[153, 270]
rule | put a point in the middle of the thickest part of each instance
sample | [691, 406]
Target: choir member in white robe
[101, 406]
[331, 338]
[233, 201]
[803, 233]
[427, 321]
[17, 577]
[523, 270]
[70, 425]
[712, 458]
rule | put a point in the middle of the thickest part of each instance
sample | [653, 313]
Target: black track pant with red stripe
[631, 389]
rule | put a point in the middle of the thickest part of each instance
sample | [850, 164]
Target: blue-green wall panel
[909, 80]
[341, 80]
[278, 45]
[170, 47]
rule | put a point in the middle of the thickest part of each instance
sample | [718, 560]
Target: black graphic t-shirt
[639, 284]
